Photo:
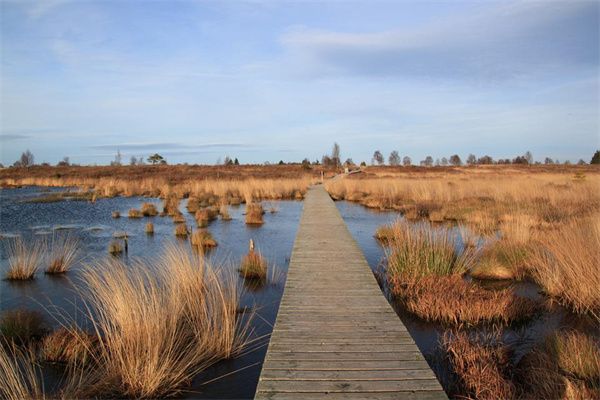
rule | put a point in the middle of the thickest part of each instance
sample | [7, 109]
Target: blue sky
[271, 80]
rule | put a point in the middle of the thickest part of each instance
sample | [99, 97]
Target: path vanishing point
[336, 336]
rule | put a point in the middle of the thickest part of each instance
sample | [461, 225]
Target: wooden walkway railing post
[335, 335]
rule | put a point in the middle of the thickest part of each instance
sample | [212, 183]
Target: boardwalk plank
[335, 335]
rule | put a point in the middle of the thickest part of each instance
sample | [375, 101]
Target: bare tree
[335, 155]
[406, 161]
[529, 157]
[471, 159]
[428, 161]
[444, 161]
[548, 161]
[64, 162]
[26, 159]
[378, 158]
[394, 158]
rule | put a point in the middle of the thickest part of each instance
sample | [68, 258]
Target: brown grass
[503, 259]
[482, 366]
[565, 264]
[21, 326]
[205, 215]
[24, 258]
[203, 239]
[453, 301]
[68, 345]
[162, 324]
[254, 214]
[253, 266]
[149, 210]
[64, 252]
[133, 213]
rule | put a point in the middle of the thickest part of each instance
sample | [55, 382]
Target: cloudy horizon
[262, 80]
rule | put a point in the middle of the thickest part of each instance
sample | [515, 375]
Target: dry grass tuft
[253, 266]
[24, 258]
[64, 251]
[254, 214]
[133, 213]
[205, 215]
[565, 264]
[181, 230]
[178, 218]
[116, 214]
[69, 345]
[21, 326]
[502, 259]
[202, 239]
[149, 210]
[419, 250]
[385, 234]
[482, 366]
[171, 205]
[453, 301]
[115, 248]
[224, 212]
[162, 324]
[149, 228]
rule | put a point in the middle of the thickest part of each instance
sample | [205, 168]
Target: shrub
[22, 326]
[23, 259]
[64, 251]
[254, 214]
[149, 210]
[253, 266]
[133, 213]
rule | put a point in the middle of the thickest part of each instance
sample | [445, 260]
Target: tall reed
[64, 252]
[20, 375]
[162, 324]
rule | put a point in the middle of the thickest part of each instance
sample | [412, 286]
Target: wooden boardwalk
[335, 335]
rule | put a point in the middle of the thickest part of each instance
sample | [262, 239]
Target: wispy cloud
[508, 41]
[10, 137]
[166, 146]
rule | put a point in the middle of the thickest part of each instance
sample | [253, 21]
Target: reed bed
[63, 254]
[161, 325]
[24, 258]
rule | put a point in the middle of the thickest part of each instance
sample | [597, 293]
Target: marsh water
[95, 228]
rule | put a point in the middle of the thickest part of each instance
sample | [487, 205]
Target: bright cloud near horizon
[270, 80]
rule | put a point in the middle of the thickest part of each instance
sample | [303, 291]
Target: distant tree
[471, 159]
[140, 160]
[155, 159]
[548, 161]
[163, 162]
[529, 157]
[520, 160]
[428, 161]
[118, 159]
[281, 162]
[485, 160]
[363, 163]
[227, 161]
[133, 160]
[349, 162]
[236, 162]
[326, 160]
[437, 162]
[378, 158]
[26, 159]
[394, 158]
[596, 158]
[455, 160]
[567, 162]
[64, 162]
[581, 162]
[444, 161]
[335, 155]
[406, 161]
